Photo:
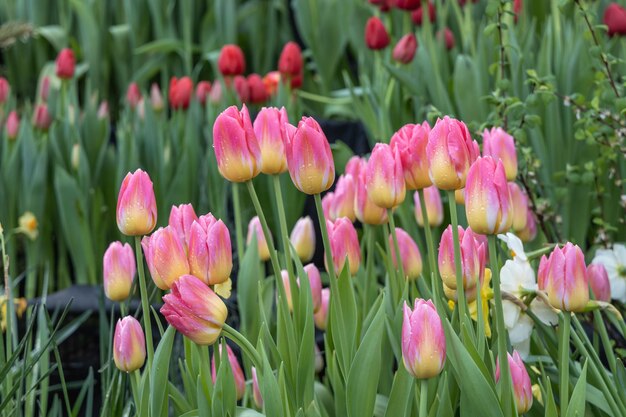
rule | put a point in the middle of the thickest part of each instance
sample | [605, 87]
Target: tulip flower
[376, 36]
[156, 99]
[41, 117]
[180, 92]
[13, 125]
[215, 95]
[364, 208]
[210, 250]
[136, 205]
[434, 207]
[417, 15]
[290, 62]
[103, 110]
[255, 229]
[240, 379]
[522, 388]
[327, 206]
[423, 340]
[202, 91]
[129, 345]
[344, 244]
[563, 276]
[271, 132]
[303, 239]
[385, 177]
[271, 80]
[194, 310]
[488, 204]
[599, 282]
[256, 391]
[411, 141]
[315, 282]
[257, 93]
[450, 152]
[284, 276]
[447, 37]
[409, 254]
[500, 145]
[5, 90]
[520, 207]
[231, 61]
[407, 4]
[342, 203]
[404, 51]
[236, 148]
[321, 315]
[615, 19]
[166, 257]
[181, 219]
[65, 64]
[133, 95]
[118, 271]
[242, 88]
[354, 166]
[309, 158]
[472, 258]
[44, 88]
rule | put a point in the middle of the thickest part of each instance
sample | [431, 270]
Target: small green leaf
[576, 407]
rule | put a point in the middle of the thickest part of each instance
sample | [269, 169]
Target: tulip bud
[385, 177]
[342, 204]
[271, 80]
[231, 61]
[240, 379]
[194, 310]
[156, 99]
[255, 228]
[180, 92]
[136, 205]
[447, 37]
[530, 231]
[181, 219]
[344, 244]
[417, 16]
[321, 315]
[103, 110]
[303, 239]
[75, 157]
[202, 91]
[315, 282]
[256, 391]
[407, 4]
[65, 64]
[409, 254]
[5, 90]
[434, 207]
[13, 125]
[404, 51]
[563, 276]
[354, 166]
[271, 133]
[129, 345]
[472, 258]
[522, 387]
[500, 145]
[165, 256]
[236, 148]
[615, 19]
[518, 5]
[599, 282]
[423, 340]
[215, 95]
[309, 158]
[290, 61]
[210, 250]
[284, 275]
[376, 36]
[41, 117]
[450, 152]
[44, 88]
[133, 95]
[257, 93]
[488, 204]
[364, 208]
[411, 141]
[119, 271]
[327, 206]
[520, 207]
[241, 88]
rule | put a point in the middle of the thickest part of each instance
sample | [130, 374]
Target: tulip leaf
[576, 407]
[159, 373]
[247, 412]
[401, 394]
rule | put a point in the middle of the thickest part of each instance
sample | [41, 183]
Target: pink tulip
[423, 340]
[530, 231]
[404, 51]
[41, 117]
[103, 110]
[255, 228]
[472, 258]
[13, 125]
[364, 208]
[385, 178]
[450, 151]
[271, 132]
[133, 96]
[520, 207]
[166, 257]
[488, 204]
[500, 145]
[236, 148]
[327, 206]
[411, 141]
[522, 387]
[65, 64]
[210, 250]
[136, 205]
[202, 91]
[599, 282]
[129, 345]
[563, 276]
[309, 158]
[194, 310]
[409, 254]
[44, 88]
[434, 207]
[354, 166]
[118, 271]
[303, 239]
[321, 315]
[181, 219]
[156, 98]
[240, 379]
[315, 282]
[615, 19]
[256, 391]
[342, 203]
[284, 276]
[5, 90]
[344, 244]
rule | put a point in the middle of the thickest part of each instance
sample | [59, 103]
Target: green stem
[266, 229]
[502, 349]
[11, 334]
[244, 344]
[238, 224]
[432, 263]
[283, 223]
[329, 256]
[462, 302]
[134, 384]
[396, 247]
[423, 398]
[145, 306]
[369, 247]
[564, 361]
[606, 342]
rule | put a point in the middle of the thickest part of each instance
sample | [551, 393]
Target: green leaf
[401, 394]
[56, 35]
[160, 373]
[576, 407]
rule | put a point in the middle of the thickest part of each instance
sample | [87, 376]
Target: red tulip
[290, 61]
[417, 15]
[65, 64]
[202, 91]
[133, 95]
[257, 92]
[615, 19]
[404, 51]
[231, 61]
[241, 88]
[407, 4]
[180, 92]
[376, 36]
[5, 90]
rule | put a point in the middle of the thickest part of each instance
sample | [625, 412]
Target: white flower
[614, 261]
[515, 246]
[517, 275]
